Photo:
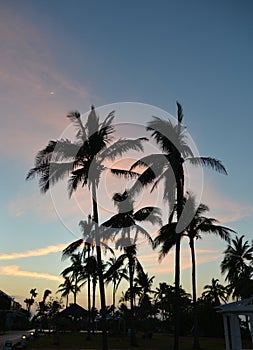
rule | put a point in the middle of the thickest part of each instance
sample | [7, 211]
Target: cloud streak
[33, 253]
[13, 270]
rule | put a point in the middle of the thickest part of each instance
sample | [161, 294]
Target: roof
[2, 294]
[241, 307]
[74, 310]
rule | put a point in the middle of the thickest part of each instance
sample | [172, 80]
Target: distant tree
[115, 273]
[215, 292]
[30, 301]
[66, 288]
[75, 273]
[237, 265]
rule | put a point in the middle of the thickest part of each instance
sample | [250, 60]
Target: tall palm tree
[169, 166]
[82, 161]
[201, 224]
[114, 274]
[237, 264]
[197, 225]
[125, 222]
[66, 288]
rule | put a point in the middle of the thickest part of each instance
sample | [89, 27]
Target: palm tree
[87, 242]
[66, 288]
[198, 224]
[125, 222]
[215, 292]
[237, 264]
[75, 273]
[169, 166]
[143, 284]
[114, 274]
[82, 162]
[30, 301]
[164, 299]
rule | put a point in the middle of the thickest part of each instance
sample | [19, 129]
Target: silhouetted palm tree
[164, 299]
[198, 224]
[143, 285]
[114, 274]
[66, 288]
[30, 301]
[169, 166]
[124, 223]
[201, 224]
[215, 292]
[237, 264]
[82, 162]
[87, 242]
[75, 273]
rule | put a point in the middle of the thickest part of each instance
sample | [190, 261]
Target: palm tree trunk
[100, 269]
[113, 297]
[179, 173]
[131, 285]
[75, 292]
[93, 302]
[89, 300]
[196, 344]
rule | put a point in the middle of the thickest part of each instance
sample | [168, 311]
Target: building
[12, 316]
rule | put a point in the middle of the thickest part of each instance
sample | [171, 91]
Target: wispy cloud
[167, 265]
[35, 252]
[14, 271]
[226, 209]
[29, 72]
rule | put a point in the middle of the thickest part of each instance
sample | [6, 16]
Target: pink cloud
[14, 271]
[225, 209]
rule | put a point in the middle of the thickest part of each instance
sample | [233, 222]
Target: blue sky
[56, 56]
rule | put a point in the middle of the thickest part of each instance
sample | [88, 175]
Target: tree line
[82, 162]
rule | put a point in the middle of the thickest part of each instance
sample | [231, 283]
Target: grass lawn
[158, 342]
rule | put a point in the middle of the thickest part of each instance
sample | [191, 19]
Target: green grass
[158, 342]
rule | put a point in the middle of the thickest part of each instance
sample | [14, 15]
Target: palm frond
[209, 162]
[71, 248]
[121, 146]
[75, 118]
[180, 114]
[124, 173]
[92, 124]
[156, 161]
[78, 176]
[106, 127]
[166, 237]
[151, 214]
[65, 149]
[145, 179]
[141, 230]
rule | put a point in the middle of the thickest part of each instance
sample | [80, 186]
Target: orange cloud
[36, 252]
[13, 270]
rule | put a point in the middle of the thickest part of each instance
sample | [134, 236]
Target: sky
[137, 58]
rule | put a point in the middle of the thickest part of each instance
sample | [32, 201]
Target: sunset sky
[57, 56]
